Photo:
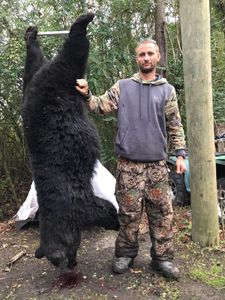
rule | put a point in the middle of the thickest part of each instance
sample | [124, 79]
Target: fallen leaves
[7, 226]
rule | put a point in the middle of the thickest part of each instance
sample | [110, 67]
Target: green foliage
[117, 28]
[218, 62]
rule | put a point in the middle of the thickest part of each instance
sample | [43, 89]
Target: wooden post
[195, 30]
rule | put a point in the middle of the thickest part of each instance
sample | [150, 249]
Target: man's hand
[82, 87]
[180, 165]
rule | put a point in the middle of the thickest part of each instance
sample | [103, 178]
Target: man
[148, 113]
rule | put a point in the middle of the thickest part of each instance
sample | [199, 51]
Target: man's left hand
[180, 165]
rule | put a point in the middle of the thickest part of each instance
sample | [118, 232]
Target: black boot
[166, 268]
[121, 264]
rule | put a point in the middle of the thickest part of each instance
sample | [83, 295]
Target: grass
[211, 276]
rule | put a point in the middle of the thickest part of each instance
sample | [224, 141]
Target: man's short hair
[147, 41]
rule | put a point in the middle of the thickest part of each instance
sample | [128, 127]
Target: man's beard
[146, 70]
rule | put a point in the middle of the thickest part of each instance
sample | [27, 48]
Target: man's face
[147, 57]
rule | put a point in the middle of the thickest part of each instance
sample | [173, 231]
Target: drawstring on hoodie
[141, 106]
[158, 81]
[141, 101]
[148, 102]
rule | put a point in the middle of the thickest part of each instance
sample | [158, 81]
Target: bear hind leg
[35, 58]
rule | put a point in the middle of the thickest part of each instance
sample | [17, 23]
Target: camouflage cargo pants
[140, 184]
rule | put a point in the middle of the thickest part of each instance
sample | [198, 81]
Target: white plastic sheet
[30, 206]
[103, 183]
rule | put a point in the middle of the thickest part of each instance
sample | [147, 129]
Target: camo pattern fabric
[140, 184]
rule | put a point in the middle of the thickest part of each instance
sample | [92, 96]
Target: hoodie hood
[159, 80]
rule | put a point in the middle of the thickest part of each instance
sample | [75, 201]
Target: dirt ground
[202, 270]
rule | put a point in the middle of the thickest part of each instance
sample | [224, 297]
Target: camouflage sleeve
[105, 103]
[174, 127]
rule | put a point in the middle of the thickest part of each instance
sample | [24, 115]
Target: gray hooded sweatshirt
[141, 124]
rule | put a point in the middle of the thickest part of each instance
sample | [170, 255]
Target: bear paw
[85, 19]
[31, 33]
[81, 23]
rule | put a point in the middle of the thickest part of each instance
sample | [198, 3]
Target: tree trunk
[160, 34]
[195, 30]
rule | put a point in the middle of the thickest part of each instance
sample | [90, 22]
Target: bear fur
[63, 146]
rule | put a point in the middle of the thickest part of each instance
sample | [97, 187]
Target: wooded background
[117, 27]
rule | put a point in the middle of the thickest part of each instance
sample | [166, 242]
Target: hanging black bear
[63, 146]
